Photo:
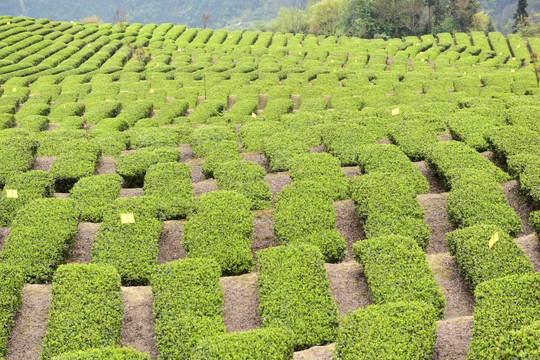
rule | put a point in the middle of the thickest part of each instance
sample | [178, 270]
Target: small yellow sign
[14, 89]
[127, 218]
[512, 70]
[151, 91]
[253, 115]
[157, 64]
[479, 76]
[11, 194]
[395, 111]
[493, 239]
[500, 54]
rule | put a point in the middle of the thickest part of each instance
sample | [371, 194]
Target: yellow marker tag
[479, 76]
[88, 45]
[64, 106]
[513, 70]
[513, 59]
[334, 70]
[127, 218]
[11, 194]
[421, 53]
[422, 59]
[518, 46]
[355, 60]
[157, 64]
[80, 32]
[9, 22]
[151, 91]
[14, 89]
[332, 61]
[493, 239]
[395, 111]
[465, 73]
[500, 53]
[253, 115]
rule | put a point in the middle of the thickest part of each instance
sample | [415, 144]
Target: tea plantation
[179, 193]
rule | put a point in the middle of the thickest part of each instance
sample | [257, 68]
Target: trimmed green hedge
[501, 306]
[187, 305]
[16, 155]
[324, 169]
[204, 138]
[35, 123]
[40, 238]
[476, 198]
[133, 166]
[478, 263]
[108, 353]
[529, 182]
[391, 159]
[11, 285]
[170, 185]
[253, 134]
[448, 156]
[29, 185]
[396, 269]
[131, 248]
[414, 137]
[344, 141]
[280, 150]
[86, 310]
[294, 293]
[221, 229]
[246, 178]
[224, 151]
[519, 344]
[93, 194]
[400, 330]
[268, 344]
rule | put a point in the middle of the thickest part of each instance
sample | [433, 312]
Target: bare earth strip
[531, 246]
[263, 231]
[131, 192]
[435, 217]
[348, 224]
[453, 338]
[170, 242]
[107, 165]
[497, 162]
[186, 152]
[459, 299]
[257, 157]
[30, 323]
[84, 239]
[348, 285]
[277, 182]
[204, 186]
[315, 353]
[43, 163]
[240, 302]
[196, 169]
[351, 171]
[435, 184]
[520, 205]
[138, 325]
[4, 232]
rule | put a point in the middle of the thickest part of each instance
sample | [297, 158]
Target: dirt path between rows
[258, 158]
[435, 217]
[4, 232]
[531, 246]
[459, 299]
[435, 184]
[277, 182]
[348, 224]
[204, 186]
[170, 242]
[520, 205]
[348, 285]
[107, 165]
[131, 192]
[240, 302]
[351, 171]
[315, 353]
[453, 338]
[84, 239]
[138, 325]
[186, 152]
[43, 163]
[30, 323]
[263, 231]
[196, 169]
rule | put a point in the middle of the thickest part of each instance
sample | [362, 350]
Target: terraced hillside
[176, 193]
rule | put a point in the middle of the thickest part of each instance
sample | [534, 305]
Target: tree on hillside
[326, 17]
[359, 18]
[462, 11]
[390, 11]
[293, 20]
[521, 15]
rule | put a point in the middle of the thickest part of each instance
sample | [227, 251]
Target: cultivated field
[176, 193]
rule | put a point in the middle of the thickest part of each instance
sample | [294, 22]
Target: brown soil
[459, 299]
[491, 157]
[263, 231]
[84, 239]
[170, 245]
[453, 338]
[4, 232]
[520, 205]
[231, 101]
[351, 171]
[200, 99]
[317, 149]
[138, 326]
[30, 323]
[277, 182]
[263, 100]
[240, 302]
[384, 141]
[61, 195]
[445, 137]
[348, 224]
[153, 113]
[131, 192]
[43, 163]
[196, 169]
[296, 100]
[202, 187]
[348, 285]
[435, 217]
[531, 246]
[186, 152]
[127, 152]
[52, 126]
[107, 165]
[435, 184]
[256, 157]
[315, 353]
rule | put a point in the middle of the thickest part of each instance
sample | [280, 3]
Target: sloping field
[176, 193]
